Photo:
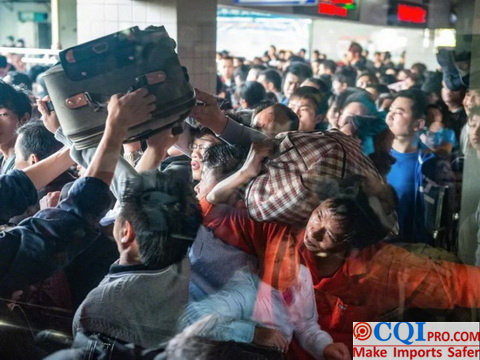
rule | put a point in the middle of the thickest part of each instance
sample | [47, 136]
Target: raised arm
[251, 168]
[156, 152]
[211, 116]
[40, 245]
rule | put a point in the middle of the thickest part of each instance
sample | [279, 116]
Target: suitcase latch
[84, 99]
[78, 101]
[152, 78]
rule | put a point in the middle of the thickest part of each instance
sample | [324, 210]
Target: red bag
[286, 191]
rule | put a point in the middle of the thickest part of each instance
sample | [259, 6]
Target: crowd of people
[303, 196]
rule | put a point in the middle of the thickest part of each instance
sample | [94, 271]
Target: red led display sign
[407, 13]
[337, 8]
[413, 14]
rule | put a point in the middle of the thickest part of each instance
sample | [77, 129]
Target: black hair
[387, 79]
[14, 100]
[346, 74]
[20, 80]
[420, 68]
[3, 62]
[273, 76]
[242, 72]
[321, 85]
[164, 215]
[419, 102]
[300, 69]
[198, 132]
[340, 100]
[253, 93]
[356, 47]
[347, 202]
[294, 122]
[224, 159]
[371, 76]
[37, 70]
[330, 64]
[310, 93]
[37, 140]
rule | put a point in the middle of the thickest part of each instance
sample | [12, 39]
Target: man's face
[306, 112]
[471, 100]
[344, 120]
[198, 148]
[400, 118]
[474, 132]
[271, 122]
[450, 96]
[292, 83]
[363, 82]
[9, 122]
[20, 161]
[324, 235]
[207, 182]
[226, 68]
[338, 87]
[263, 80]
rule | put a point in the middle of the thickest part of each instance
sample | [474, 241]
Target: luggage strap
[85, 99]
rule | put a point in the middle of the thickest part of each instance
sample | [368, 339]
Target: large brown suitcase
[91, 72]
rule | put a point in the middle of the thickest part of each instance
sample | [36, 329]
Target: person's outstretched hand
[130, 109]
[258, 153]
[209, 114]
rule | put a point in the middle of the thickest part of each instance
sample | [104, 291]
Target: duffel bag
[286, 192]
[90, 73]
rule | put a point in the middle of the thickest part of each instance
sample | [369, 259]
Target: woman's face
[326, 233]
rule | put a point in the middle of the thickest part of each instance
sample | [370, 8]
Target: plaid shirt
[286, 191]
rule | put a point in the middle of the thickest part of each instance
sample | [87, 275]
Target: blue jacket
[17, 193]
[40, 245]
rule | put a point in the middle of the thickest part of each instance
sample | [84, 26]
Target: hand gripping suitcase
[91, 72]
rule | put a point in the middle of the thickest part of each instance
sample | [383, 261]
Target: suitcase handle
[100, 48]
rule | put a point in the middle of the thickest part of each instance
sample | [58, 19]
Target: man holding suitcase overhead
[53, 237]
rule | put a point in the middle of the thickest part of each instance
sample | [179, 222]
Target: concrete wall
[191, 23]
[334, 36]
[68, 23]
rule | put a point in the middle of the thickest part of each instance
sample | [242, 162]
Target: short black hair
[164, 214]
[329, 64]
[356, 47]
[37, 140]
[294, 121]
[371, 76]
[14, 100]
[300, 69]
[273, 76]
[224, 159]
[419, 102]
[253, 93]
[310, 93]
[242, 72]
[420, 68]
[198, 132]
[348, 203]
[347, 75]
[20, 80]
